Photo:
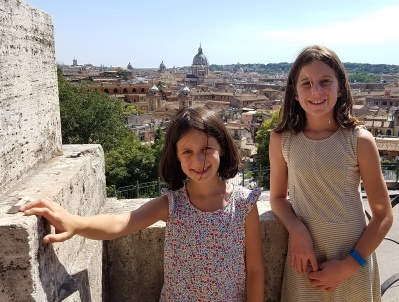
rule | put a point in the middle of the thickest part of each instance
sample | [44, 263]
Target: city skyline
[146, 34]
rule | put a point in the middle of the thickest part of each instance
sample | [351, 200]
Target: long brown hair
[292, 116]
[211, 124]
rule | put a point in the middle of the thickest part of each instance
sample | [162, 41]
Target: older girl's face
[317, 89]
[199, 156]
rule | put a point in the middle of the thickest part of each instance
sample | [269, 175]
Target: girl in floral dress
[212, 240]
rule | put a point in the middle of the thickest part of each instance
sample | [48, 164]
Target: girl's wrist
[78, 224]
[295, 226]
[351, 265]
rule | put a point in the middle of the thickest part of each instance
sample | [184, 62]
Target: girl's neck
[320, 128]
[209, 197]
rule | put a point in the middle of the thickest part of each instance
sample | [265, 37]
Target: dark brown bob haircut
[292, 116]
[211, 124]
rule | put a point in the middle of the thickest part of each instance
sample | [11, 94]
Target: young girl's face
[199, 155]
[317, 89]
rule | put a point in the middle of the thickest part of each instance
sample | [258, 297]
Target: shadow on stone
[57, 283]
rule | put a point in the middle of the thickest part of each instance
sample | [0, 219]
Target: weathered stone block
[53, 272]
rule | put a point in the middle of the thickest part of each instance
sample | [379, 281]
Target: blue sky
[145, 33]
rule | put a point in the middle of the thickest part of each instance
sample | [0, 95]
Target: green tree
[364, 78]
[160, 85]
[159, 140]
[263, 139]
[89, 117]
[130, 162]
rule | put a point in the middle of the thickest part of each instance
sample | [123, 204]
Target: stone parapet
[68, 271]
[133, 265]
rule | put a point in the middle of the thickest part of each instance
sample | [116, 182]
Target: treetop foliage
[93, 117]
[263, 141]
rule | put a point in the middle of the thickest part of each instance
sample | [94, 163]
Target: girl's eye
[306, 84]
[186, 152]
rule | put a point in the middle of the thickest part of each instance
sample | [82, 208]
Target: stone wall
[29, 109]
[33, 164]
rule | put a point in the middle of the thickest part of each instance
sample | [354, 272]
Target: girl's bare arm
[301, 244]
[253, 257]
[101, 227]
[377, 195]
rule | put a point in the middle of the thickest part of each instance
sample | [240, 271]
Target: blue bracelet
[359, 259]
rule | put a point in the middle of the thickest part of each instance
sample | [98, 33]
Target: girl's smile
[199, 155]
[317, 89]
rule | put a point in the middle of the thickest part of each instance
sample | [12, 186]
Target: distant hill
[283, 68]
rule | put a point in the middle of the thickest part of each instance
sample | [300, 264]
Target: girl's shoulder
[358, 132]
[175, 197]
[245, 198]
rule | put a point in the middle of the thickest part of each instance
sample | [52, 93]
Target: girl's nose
[200, 157]
[316, 88]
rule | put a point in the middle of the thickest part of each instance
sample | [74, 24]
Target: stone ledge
[47, 272]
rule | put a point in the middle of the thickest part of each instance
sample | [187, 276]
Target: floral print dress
[204, 253]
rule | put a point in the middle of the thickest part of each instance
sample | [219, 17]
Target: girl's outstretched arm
[253, 257]
[301, 244]
[334, 272]
[100, 227]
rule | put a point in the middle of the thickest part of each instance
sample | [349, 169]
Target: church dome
[162, 66]
[200, 58]
[153, 89]
[185, 90]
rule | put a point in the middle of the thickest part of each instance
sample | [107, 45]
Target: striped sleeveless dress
[324, 190]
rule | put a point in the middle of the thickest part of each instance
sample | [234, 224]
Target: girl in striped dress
[318, 153]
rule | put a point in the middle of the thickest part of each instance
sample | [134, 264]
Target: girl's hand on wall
[65, 224]
[301, 250]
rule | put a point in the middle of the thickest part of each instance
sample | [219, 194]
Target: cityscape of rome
[243, 97]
